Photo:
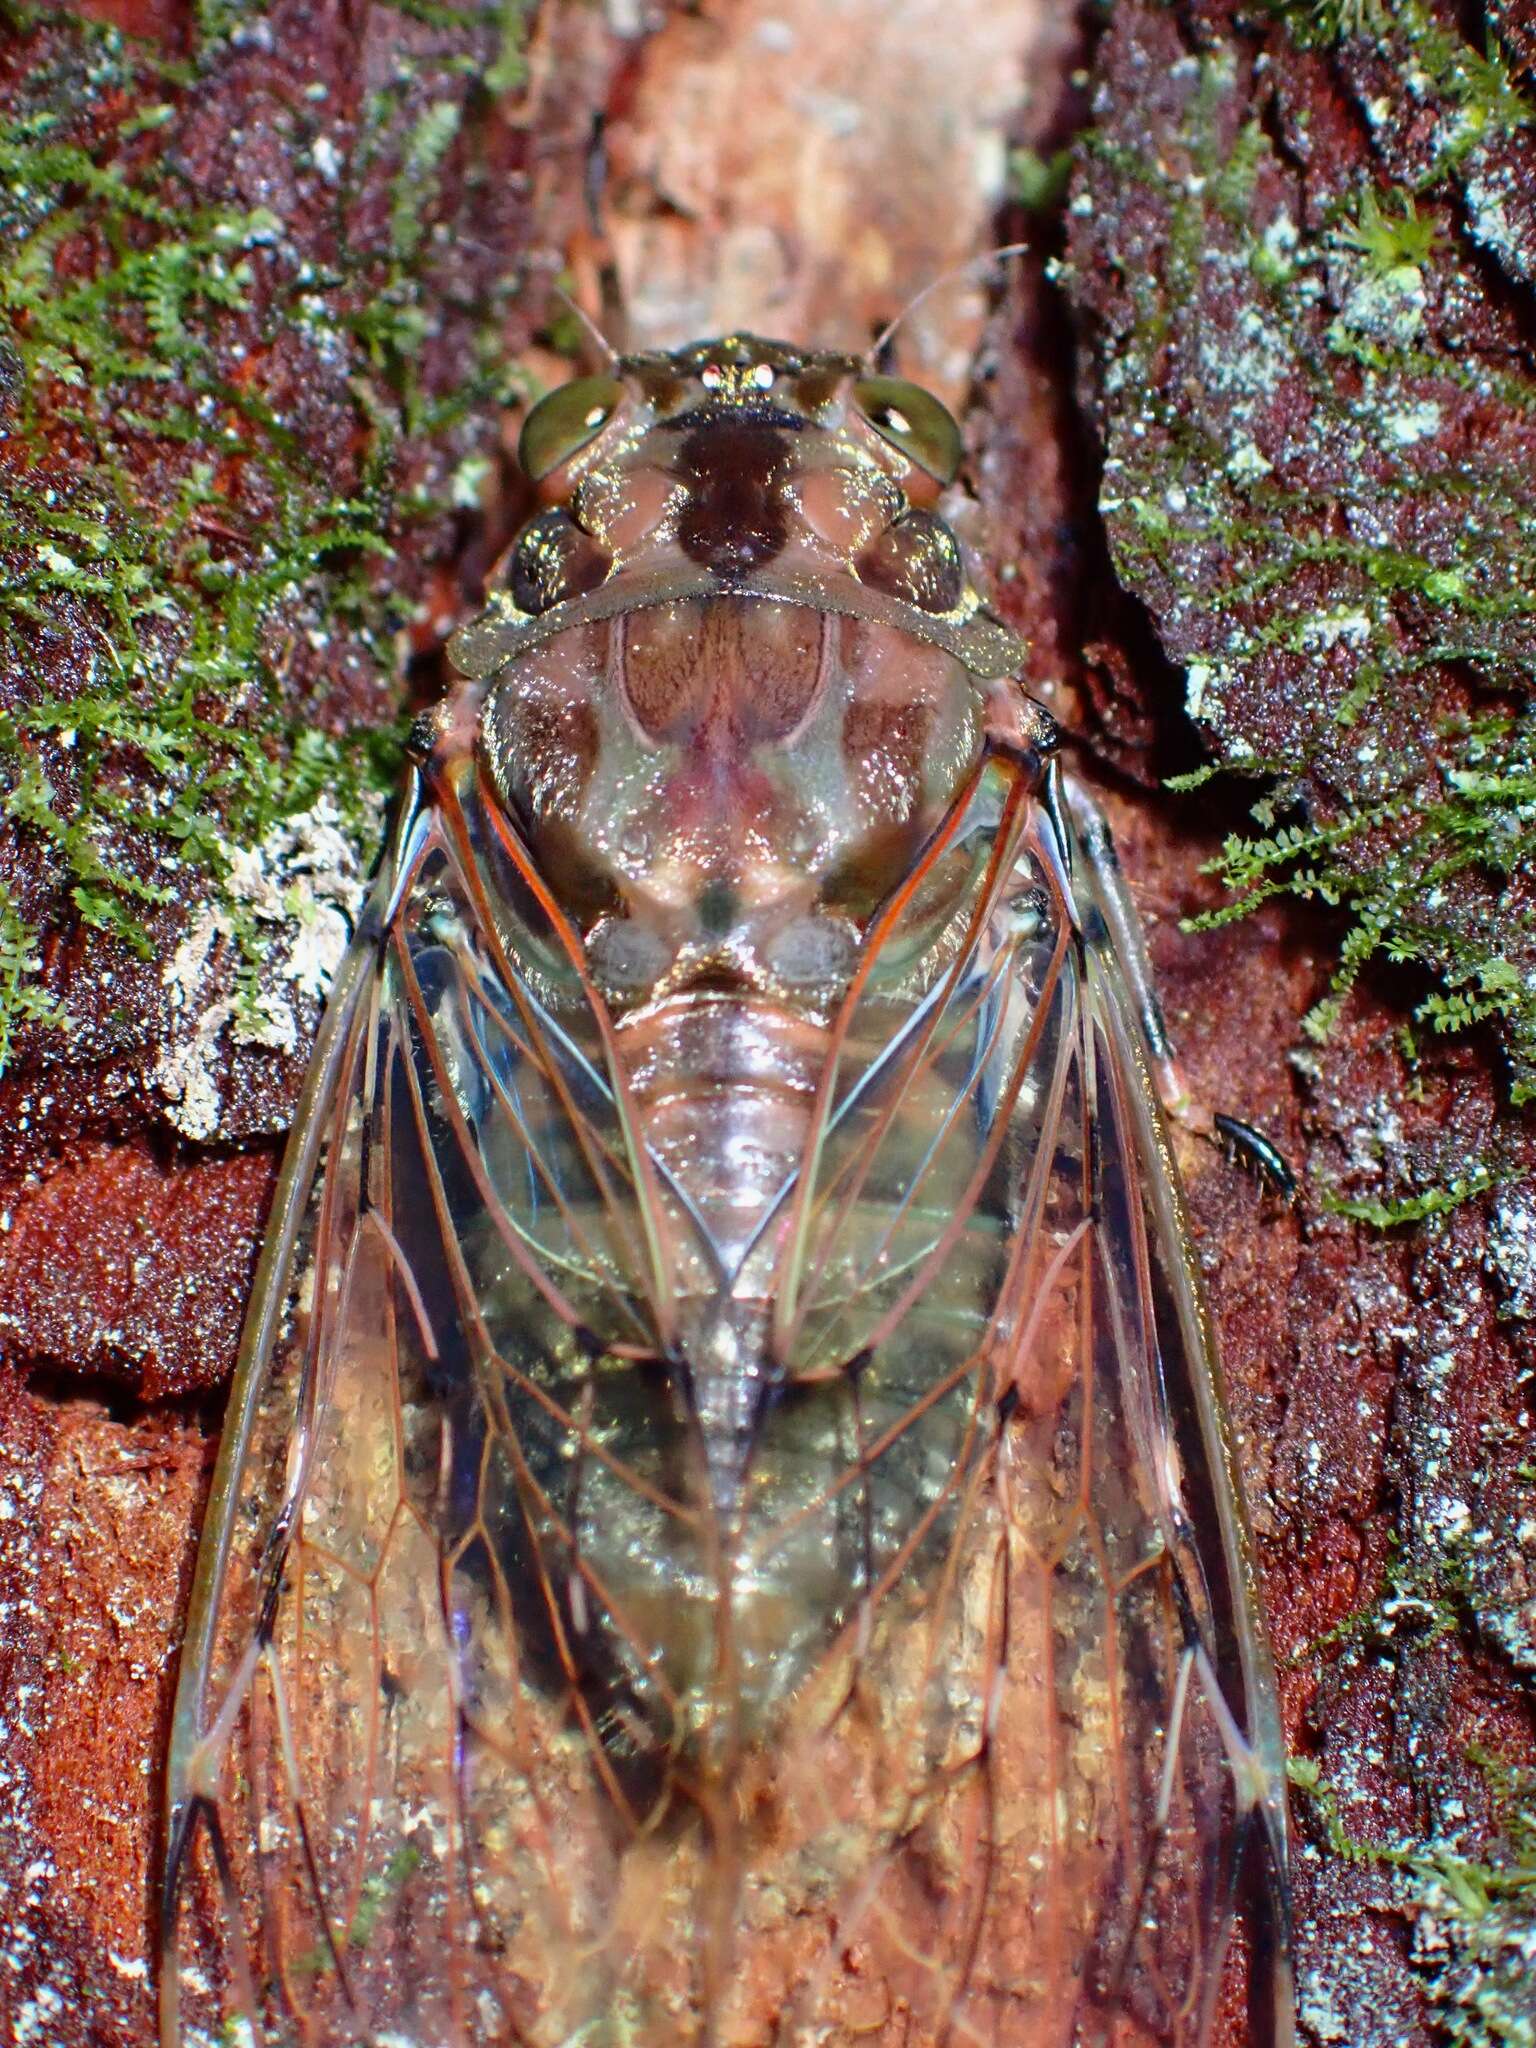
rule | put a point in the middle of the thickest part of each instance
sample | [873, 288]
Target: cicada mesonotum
[727, 1531]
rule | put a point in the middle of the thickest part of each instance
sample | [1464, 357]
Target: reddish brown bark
[770, 171]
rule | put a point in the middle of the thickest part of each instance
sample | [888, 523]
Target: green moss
[508, 69]
[166, 535]
[1389, 235]
[1431, 1594]
[1323, 22]
[1278, 591]
[22, 999]
[1462, 1879]
[1478, 83]
[1477, 827]
[1417, 1207]
[1306, 1777]
[1473, 1917]
[1485, 100]
[1038, 183]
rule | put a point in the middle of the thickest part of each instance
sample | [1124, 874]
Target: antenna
[594, 333]
[984, 262]
[610, 289]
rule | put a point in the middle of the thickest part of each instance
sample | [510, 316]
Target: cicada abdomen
[726, 1532]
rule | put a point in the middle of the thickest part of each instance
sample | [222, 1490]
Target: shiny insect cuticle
[728, 1534]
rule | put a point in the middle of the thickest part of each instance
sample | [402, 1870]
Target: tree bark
[1249, 439]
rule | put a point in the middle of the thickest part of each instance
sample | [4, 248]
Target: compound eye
[562, 424]
[912, 420]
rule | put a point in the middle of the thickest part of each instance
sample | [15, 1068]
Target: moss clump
[1474, 1916]
[1390, 234]
[1416, 1207]
[1038, 183]
[212, 461]
[1475, 1945]
[1318, 417]
[1327, 21]
[1475, 826]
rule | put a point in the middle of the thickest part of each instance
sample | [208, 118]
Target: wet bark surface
[1248, 434]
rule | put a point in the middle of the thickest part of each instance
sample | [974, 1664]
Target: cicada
[727, 1531]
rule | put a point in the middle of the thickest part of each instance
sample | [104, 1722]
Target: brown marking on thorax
[734, 471]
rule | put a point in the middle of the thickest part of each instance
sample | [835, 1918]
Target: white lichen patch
[1386, 304]
[1279, 243]
[1512, 1252]
[1327, 629]
[1319, 2010]
[301, 889]
[327, 159]
[1250, 360]
[1247, 462]
[1412, 423]
[1487, 193]
[41, 2018]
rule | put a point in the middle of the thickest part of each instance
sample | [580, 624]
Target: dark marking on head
[717, 908]
[734, 520]
[754, 412]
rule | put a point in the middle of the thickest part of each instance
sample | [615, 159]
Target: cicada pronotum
[727, 1531]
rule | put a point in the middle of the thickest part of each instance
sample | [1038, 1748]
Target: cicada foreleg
[1122, 923]
[1123, 930]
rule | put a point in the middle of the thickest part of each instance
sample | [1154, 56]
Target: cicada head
[738, 660]
[739, 454]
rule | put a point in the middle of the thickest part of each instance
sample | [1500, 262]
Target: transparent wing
[1054, 1774]
[391, 1577]
[596, 1645]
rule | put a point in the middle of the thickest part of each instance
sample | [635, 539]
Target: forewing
[385, 1743]
[1216, 1868]
[1050, 1752]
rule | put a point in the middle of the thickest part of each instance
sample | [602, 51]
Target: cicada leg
[1118, 909]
